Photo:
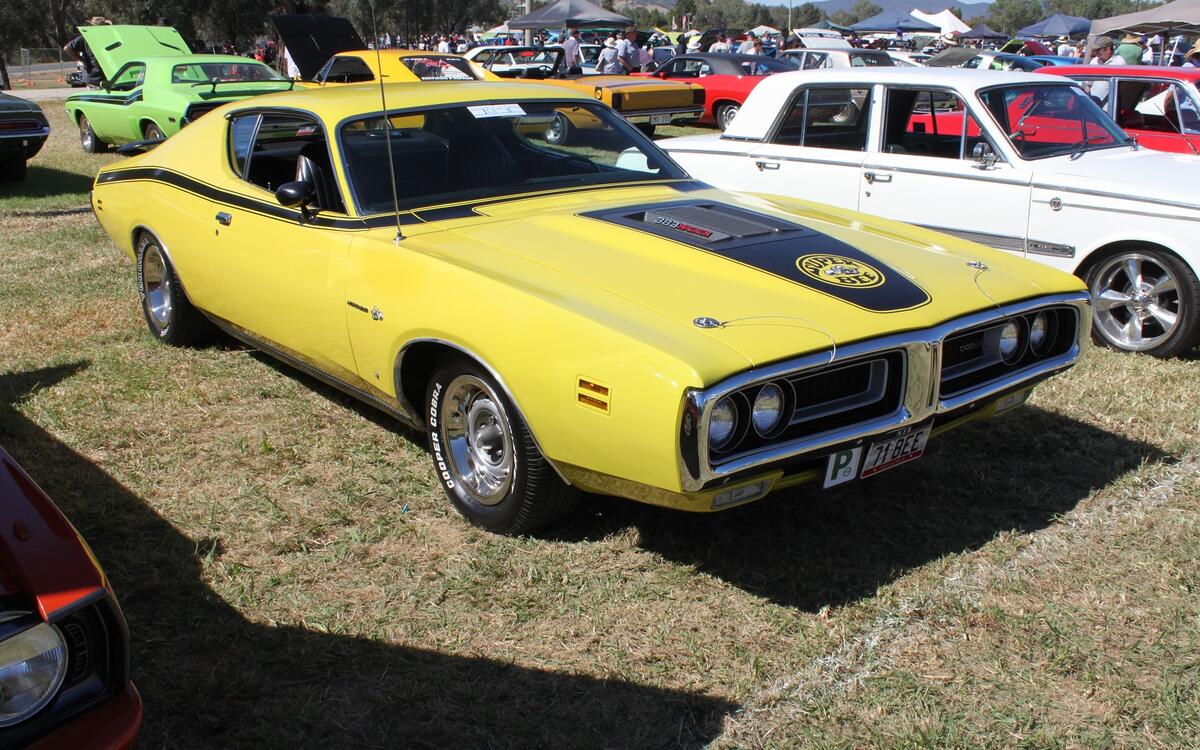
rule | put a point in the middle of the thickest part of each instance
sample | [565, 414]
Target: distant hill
[969, 10]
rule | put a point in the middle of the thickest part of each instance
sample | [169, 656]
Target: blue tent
[893, 20]
[1057, 25]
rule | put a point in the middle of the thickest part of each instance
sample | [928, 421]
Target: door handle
[223, 218]
[874, 177]
[766, 165]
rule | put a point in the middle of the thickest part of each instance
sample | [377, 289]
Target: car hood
[113, 46]
[1140, 174]
[741, 260]
[311, 39]
[41, 554]
[10, 103]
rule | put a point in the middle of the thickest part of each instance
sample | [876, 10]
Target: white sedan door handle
[874, 177]
[766, 165]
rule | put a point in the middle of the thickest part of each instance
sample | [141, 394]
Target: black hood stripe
[782, 248]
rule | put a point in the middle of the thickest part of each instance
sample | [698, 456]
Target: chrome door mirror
[983, 155]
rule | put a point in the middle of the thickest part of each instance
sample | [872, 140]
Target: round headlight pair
[766, 414]
[1041, 333]
[33, 664]
[1012, 341]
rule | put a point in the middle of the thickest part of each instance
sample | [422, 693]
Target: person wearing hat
[745, 47]
[1191, 58]
[693, 44]
[1104, 47]
[1064, 47]
[609, 62]
[1130, 49]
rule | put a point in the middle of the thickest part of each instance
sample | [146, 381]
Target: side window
[973, 62]
[929, 123]
[1156, 106]
[815, 60]
[685, 69]
[833, 118]
[241, 136]
[347, 70]
[291, 148]
[128, 78]
[705, 69]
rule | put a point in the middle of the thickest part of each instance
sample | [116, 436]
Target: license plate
[660, 119]
[881, 455]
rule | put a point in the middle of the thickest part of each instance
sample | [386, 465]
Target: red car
[1160, 106]
[727, 79]
[64, 646]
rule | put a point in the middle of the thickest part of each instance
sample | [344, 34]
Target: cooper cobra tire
[168, 312]
[646, 128]
[1145, 300]
[560, 131]
[484, 456]
[88, 139]
[725, 115]
[153, 132]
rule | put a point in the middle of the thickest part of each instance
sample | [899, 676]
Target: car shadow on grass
[808, 548]
[47, 182]
[212, 678]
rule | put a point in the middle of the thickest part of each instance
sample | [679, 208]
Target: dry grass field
[293, 576]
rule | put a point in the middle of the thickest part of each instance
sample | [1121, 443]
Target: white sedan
[1006, 159]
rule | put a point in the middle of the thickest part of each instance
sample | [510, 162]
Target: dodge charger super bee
[582, 317]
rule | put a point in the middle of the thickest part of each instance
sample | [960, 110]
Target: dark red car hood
[41, 554]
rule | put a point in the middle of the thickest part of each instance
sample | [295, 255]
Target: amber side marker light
[592, 394]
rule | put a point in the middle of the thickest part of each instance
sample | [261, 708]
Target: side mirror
[983, 155]
[292, 194]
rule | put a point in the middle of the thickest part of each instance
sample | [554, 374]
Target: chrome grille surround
[921, 397]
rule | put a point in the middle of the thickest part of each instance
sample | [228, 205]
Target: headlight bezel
[1020, 341]
[778, 424]
[729, 439]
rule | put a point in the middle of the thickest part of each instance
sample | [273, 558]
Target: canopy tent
[501, 29]
[1182, 16]
[983, 32]
[567, 14]
[946, 21]
[830, 25]
[765, 31]
[893, 20]
[1057, 25]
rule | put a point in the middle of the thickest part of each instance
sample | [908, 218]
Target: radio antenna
[387, 128]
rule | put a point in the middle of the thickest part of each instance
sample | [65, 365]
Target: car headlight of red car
[33, 664]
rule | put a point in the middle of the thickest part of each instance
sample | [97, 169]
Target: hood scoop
[776, 246]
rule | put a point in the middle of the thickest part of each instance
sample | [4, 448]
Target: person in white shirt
[748, 45]
[721, 45]
[1104, 47]
[572, 61]
[609, 62]
[1064, 47]
[443, 45]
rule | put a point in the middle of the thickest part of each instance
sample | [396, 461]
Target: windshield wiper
[1082, 145]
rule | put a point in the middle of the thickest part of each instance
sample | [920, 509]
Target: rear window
[222, 72]
[440, 68]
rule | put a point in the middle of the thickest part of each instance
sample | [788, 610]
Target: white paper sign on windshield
[496, 110]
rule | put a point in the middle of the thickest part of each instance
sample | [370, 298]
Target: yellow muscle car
[646, 102]
[566, 318]
[397, 66]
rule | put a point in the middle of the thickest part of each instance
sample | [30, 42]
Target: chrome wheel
[87, 137]
[728, 112]
[478, 436]
[559, 130]
[156, 285]
[1138, 305]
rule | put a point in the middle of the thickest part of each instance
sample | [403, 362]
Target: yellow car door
[279, 271]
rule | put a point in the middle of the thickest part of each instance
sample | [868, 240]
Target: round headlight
[1039, 333]
[1010, 342]
[768, 409]
[722, 424]
[32, 667]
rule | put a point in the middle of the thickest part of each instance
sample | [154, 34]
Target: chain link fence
[37, 66]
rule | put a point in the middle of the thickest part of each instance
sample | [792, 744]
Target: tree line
[50, 23]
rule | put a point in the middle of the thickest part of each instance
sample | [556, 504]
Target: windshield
[498, 149]
[224, 72]
[1045, 120]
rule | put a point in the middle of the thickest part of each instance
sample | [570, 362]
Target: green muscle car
[153, 85]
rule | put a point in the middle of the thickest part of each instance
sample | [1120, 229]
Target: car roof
[337, 103]
[1133, 71]
[774, 91]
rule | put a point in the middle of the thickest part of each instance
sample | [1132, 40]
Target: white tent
[764, 31]
[946, 21]
[501, 29]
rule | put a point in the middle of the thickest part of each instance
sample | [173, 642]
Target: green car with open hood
[153, 85]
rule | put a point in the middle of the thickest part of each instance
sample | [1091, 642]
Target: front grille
[816, 403]
[973, 358]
